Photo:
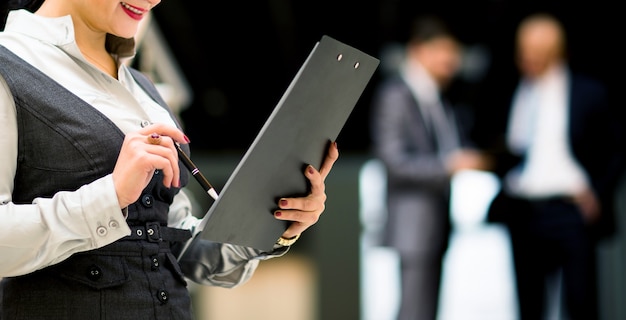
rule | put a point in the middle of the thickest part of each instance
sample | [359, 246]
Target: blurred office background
[223, 66]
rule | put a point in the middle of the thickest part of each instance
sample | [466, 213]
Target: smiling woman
[94, 212]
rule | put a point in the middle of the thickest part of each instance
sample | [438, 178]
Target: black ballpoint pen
[196, 172]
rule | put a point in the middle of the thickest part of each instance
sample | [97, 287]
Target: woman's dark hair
[6, 6]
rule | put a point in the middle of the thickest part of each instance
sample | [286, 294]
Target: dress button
[162, 296]
[154, 263]
[145, 123]
[114, 224]
[147, 200]
[94, 273]
[102, 231]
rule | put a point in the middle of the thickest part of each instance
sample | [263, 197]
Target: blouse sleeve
[47, 231]
[211, 263]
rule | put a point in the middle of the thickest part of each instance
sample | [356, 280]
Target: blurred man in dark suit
[420, 139]
[559, 169]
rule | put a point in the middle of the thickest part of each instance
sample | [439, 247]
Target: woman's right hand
[139, 158]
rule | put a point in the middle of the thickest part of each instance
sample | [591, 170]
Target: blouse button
[145, 123]
[102, 231]
[114, 224]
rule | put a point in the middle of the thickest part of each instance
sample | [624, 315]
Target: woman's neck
[90, 42]
[103, 61]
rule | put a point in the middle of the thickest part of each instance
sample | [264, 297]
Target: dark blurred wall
[239, 58]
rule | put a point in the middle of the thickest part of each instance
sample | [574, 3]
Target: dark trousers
[421, 280]
[553, 236]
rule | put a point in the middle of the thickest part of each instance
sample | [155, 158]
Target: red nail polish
[311, 171]
[283, 202]
[187, 139]
[278, 213]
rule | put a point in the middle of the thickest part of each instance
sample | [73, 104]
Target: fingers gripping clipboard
[310, 115]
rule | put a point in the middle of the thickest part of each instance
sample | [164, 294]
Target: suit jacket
[418, 186]
[594, 137]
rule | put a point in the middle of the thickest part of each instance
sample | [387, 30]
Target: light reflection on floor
[477, 276]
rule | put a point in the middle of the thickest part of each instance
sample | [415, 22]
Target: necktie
[444, 129]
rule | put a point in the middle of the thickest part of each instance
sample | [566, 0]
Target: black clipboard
[310, 114]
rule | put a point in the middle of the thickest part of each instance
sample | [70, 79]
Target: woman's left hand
[305, 211]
